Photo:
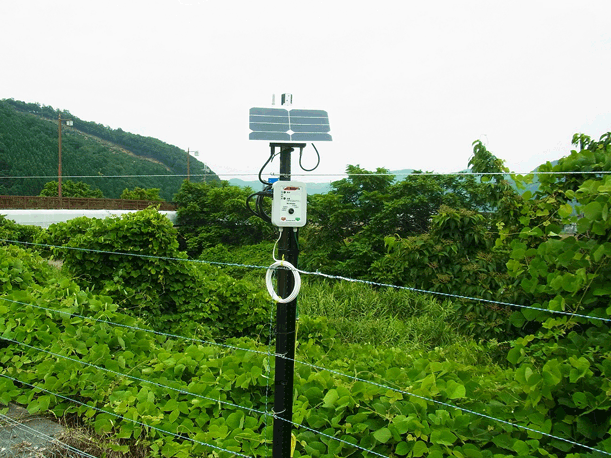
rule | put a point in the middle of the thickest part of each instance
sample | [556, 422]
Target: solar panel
[284, 125]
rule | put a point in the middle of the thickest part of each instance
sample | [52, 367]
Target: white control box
[289, 205]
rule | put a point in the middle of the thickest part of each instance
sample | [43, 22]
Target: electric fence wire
[351, 377]
[268, 354]
[179, 436]
[328, 276]
[265, 413]
[136, 328]
[462, 409]
[363, 380]
[120, 374]
[35, 433]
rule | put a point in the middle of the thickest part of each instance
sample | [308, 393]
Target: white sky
[407, 84]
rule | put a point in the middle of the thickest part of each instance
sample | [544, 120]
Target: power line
[337, 174]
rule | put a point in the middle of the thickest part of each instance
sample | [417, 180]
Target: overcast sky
[407, 84]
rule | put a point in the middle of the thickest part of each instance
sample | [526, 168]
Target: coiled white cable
[270, 286]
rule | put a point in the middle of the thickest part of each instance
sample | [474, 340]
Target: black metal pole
[285, 332]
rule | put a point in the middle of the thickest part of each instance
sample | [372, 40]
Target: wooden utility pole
[59, 166]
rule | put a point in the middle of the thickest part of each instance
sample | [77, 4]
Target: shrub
[136, 261]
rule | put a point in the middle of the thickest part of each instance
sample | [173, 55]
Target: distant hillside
[29, 147]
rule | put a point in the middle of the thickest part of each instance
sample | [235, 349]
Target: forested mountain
[29, 147]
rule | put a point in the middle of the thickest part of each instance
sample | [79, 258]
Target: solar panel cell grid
[280, 124]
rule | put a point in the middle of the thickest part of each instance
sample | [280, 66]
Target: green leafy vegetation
[71, 189]
[407, 357]
[138, 264]
[214, 213]
[142, 194]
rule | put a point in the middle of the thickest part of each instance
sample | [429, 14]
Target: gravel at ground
[27, 436]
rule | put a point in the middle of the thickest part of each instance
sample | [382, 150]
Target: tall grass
[386, 317]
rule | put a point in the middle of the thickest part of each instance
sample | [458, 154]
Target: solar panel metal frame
[289, 125]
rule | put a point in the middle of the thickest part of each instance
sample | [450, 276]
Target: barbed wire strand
[266, 414]
[454, 296]
[379, 385]
[388, 387]
[136, 328]
[328, 276]
[125, 418]
[120, 374]
[445, 404]
[34, 432]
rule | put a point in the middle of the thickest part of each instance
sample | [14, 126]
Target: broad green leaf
[443, 437]
[592, 211]
[514, 355]
[402, 449]
[565, 211]
[382, 435]
[330, 398]
[551, 373]
[419, 449]
[455, 390]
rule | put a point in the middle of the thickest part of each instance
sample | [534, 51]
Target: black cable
[269, 159]
[317, 163]
[260, 211]
[267, 192]
[248, 204]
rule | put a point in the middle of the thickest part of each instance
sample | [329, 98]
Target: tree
[138, 193]
[71, 189]
[213, 213]
[348, 225]
[494, 185]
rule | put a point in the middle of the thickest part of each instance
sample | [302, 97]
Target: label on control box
[289, 204]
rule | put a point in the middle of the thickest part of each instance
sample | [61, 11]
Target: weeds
[363, 314]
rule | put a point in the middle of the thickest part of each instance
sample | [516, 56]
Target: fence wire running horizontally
[267, 353]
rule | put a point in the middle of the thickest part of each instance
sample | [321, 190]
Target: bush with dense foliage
[151, 194]
[137, 262]
[215, 213]
[456, 257]
[9, 230]
[348, 225]
[71, 189]
[563, 364]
